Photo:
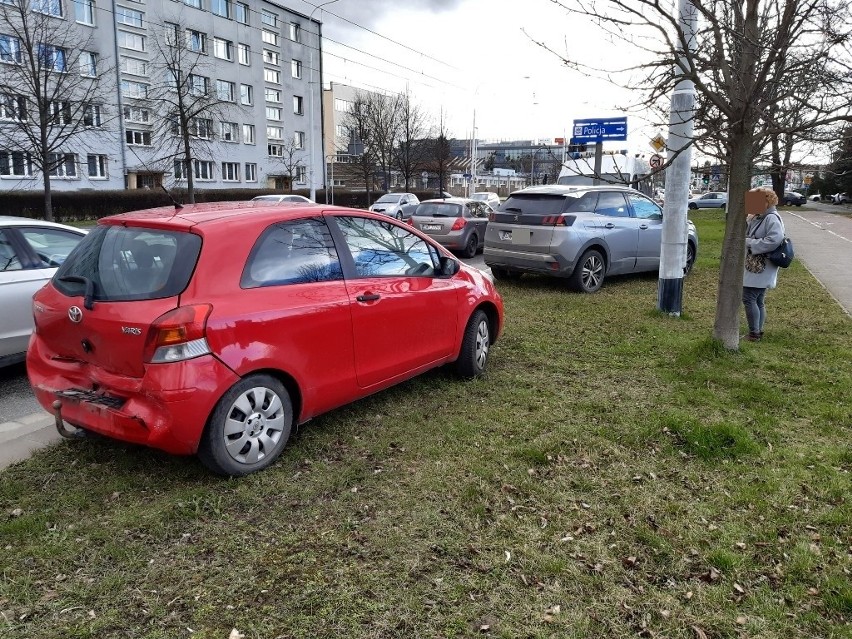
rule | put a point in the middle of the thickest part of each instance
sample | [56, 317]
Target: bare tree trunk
[190, 173]
[727, 325]
[45, 171]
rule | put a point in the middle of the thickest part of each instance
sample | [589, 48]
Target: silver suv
[582, 234]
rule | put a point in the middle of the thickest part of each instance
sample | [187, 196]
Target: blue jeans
[754, 308]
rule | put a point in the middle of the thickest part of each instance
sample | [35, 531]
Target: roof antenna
[178, 205]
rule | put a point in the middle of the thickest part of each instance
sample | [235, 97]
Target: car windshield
[266, 198]
[388, 199]
[439, 209]
[130, 263]
[480, 196]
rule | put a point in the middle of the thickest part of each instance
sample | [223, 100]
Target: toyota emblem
[75, 314]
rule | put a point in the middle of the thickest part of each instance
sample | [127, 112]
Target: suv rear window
[130, 263]
[531, 208]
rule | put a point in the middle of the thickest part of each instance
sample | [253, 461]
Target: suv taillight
[458, 225]
[178, 335]
[554, 220]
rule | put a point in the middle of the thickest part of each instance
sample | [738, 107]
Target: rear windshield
[546, 204]
[439, 209]
[130, 263]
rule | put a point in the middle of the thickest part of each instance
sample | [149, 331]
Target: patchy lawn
[614, 475]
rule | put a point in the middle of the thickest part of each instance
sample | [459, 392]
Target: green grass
[613, 462]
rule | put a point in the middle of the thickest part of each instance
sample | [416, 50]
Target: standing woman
[764, 233]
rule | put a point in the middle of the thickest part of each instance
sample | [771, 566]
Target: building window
[97, 166]
[230, 171]
[268, 18]
[88, 64]
[193, 3]
[10, 49]
[226, 91]
[92, 115]
[269, 37]
[201, 128]
[84, 11]
[50, 7]
[344, 106]
[248, 134]
[199, 85]
[299, 139]
[223, 49]
[203, 169]
[273, 113]
[136, 114]
[13, 107]
[241, 12]
[16, 164]
[273, 95]
[62, 164]
[244, 54]
[251, 172]
[221, 8]
[130, 17]
[52, 57]
[271, 57]
[138, 138]
[341, 131]
[229, 131]
[130, 89]
[272, 76]
[295, 32]
[134, 66]
[275, 132]
[297, 105]
[296, 69]
[129, 40]
[196, 41]
[59, 112]
[275, 150]
[246, 94]
[300, 174]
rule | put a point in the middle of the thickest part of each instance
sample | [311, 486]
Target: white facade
[256, 57]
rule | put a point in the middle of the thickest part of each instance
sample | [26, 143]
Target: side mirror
[449, 266]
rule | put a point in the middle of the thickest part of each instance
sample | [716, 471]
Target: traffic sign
[658, 142]
[599, 130]
[656, 161]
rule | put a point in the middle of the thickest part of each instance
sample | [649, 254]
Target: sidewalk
[823, 243]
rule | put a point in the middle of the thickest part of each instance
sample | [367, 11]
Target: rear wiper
[89, 296]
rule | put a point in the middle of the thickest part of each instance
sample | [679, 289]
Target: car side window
[612, 204]
[51, 245]
[294, 252]
[644, 208]
[383, 249]
[8, 258]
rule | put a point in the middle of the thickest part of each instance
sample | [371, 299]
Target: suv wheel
[248, 428]
[588, 275]
[690, 258]
[501, 273]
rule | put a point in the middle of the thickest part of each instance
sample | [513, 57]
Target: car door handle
[368, 297]
[609, 226]
[643, 226]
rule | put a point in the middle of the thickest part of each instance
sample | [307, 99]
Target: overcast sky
[476, 57]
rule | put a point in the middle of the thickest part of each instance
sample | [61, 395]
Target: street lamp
[312, 150]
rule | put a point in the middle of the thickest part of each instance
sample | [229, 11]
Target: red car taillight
[458, 225]
[178, 335]
[554, 220]
[411, 221]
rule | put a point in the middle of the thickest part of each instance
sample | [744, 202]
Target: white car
[30, 252]
[291, 197]
[489, 197]
[398, 205]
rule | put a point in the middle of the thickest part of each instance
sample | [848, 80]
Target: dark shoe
[754, 337]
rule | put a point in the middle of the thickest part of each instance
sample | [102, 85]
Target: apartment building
[255, 71]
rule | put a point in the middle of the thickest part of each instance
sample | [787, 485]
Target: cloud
[368, 13]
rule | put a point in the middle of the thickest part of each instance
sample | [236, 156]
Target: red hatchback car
[212, 329]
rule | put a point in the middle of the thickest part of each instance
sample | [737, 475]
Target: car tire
[693, 206]
[471, 246]
[690, 258]
[256, 412]
[723, 207]
[501, 273]
[476, 344]
[588, 275]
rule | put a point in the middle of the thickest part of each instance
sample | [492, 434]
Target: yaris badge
[75, 314]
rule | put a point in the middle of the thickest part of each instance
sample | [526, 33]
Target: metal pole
[674, 240]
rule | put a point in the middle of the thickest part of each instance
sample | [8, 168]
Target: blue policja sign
[599, 130]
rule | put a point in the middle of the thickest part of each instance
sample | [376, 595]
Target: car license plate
[521, 237]
[431, 227]
[506, 236]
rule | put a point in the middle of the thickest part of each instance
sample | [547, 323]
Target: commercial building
[255, 72]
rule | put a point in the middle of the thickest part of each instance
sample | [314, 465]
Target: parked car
[457, 223]
[792, 198]
[30, 252]
[583, 234]
[214, 332]
[841, 198]
[277, 199]
[816, 197]
[490, 198]
[398, 205]
[711, 200]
